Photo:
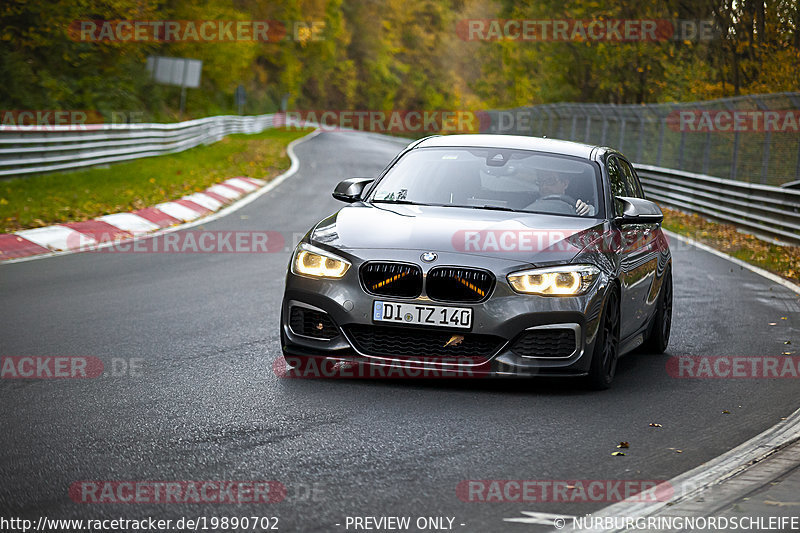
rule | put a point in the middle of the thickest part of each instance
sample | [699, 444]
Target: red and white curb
[191, 210]
[89, 234]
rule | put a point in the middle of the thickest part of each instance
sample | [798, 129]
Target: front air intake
[310, 323]
[555, 343]
[392, 279]
[457, 284]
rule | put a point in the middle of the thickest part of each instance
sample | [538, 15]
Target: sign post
[241, 98]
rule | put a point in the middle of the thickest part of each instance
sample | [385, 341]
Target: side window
[631, 180]
[617, 180]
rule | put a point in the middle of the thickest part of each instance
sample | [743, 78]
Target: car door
[616, 180]
[640, 258]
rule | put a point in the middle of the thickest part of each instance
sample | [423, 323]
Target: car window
[617, 180]
[631, 180]
[519, 180]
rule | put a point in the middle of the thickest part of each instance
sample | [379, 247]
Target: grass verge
[781, 260]
[44, 199]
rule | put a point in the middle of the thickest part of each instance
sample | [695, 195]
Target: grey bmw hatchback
[504, 255]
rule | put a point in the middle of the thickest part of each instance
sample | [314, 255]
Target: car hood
[528, 237]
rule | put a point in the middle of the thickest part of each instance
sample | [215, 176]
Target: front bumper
[504, 314]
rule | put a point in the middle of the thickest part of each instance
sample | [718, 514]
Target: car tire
[606, 346]
[658, 339]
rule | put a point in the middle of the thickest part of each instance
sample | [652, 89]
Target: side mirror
[350, 190]
[638, 211]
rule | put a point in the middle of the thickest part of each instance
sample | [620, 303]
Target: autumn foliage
[392, 54]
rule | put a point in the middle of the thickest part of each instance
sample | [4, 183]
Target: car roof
[518, 142]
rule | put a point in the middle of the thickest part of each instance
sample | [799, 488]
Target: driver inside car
[553, 198]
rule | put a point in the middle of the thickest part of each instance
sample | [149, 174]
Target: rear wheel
[606, 347]
[662, 321]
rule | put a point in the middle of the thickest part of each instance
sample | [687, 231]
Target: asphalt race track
[206, 404]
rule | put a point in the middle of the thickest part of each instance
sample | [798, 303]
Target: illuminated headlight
[568, 280]
[316, 263]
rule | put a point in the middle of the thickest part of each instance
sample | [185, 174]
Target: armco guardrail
[766, 211]
[27, 149]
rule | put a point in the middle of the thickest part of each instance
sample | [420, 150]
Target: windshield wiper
[491, 207]
[494, 208]
[408, 202]
[404, 202]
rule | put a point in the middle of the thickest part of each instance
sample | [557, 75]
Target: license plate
[422, 315]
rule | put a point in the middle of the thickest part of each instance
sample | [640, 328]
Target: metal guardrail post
[707, 152]
[588, 127]
[734, 155]
[735, 151]
[767, 142]
[640, 145]
[797, 167]
[534, 117]
[555, 130]
[796, 103]
[605, 124]
[681, 144]
[661, 132]
[765, 158]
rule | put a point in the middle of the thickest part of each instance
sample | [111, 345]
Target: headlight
[316, 263]
[568, 280]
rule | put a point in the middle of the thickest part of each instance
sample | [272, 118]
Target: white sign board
[175, 71]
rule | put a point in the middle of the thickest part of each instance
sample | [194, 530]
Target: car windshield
[493, 178]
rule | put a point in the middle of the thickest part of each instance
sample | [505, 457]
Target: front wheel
[606, 346]
[662, 321]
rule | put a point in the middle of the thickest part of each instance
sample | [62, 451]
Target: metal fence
[28, 149]
[752, 139]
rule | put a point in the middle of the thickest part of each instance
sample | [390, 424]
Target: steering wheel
[560, 197]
